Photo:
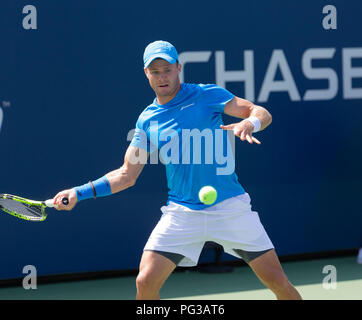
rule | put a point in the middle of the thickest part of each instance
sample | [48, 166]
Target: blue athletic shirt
[167, 128]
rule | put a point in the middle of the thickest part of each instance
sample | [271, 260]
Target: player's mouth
[163, 86]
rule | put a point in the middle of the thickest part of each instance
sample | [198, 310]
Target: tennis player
[186, 223]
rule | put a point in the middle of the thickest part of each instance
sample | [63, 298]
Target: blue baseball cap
[160, 49]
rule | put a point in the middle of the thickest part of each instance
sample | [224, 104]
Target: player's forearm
[114, 181]
[262, 114]
[242, 108]
[120, 179]
[110, 183]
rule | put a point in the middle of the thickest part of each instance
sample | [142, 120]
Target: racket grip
[49, 203]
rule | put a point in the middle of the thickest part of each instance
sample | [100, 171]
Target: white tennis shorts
[230, 223]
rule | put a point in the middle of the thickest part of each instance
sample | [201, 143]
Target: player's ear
[178, 66]
[146, 72]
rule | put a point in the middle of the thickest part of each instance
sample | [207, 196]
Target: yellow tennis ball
[207, 195]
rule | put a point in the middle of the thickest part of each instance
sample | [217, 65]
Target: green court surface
[240, 284]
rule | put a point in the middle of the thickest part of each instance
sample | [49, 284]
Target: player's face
[164, 79]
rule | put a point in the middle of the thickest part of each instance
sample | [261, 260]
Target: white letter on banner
[246, 75]
[320, 73]
[188, 57]
[287, 84]
[349, 73]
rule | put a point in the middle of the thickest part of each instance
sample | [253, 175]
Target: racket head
[23, 208]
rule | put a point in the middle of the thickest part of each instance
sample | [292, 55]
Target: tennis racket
[26, 209]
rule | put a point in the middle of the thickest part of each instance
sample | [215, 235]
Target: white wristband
[256, 123]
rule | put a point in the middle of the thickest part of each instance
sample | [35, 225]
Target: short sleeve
[139, 139]
[216, 96]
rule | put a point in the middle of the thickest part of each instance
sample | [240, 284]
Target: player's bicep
[134, 161]
[238, 107]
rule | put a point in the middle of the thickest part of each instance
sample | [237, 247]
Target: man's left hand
[243, 130]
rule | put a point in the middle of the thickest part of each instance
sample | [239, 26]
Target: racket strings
[22, 209]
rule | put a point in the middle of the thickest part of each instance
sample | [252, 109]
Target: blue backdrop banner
[72, 86]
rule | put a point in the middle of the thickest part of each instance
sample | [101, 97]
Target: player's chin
[164, 90]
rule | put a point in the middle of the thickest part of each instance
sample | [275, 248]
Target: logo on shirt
[189, 105]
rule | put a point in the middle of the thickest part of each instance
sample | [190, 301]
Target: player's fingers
[237, 132]
[242, 136]
[58, 199]
[228, 126]
[248, 138]
[256, 140]
[55, 201]
[58, 204]
[61, 206]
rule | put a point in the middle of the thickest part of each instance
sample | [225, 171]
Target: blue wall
[71, 90]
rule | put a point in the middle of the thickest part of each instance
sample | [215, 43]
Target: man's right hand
[70, 195]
